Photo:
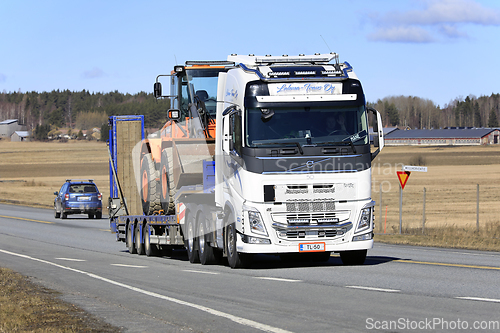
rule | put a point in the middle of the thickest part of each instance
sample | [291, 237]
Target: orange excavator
[173, 156]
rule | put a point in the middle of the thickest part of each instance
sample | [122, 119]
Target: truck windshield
[203, 85]
[309, 125]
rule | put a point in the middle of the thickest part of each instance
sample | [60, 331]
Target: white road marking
[276, 279]
[202, 272]
[236, 319]
[374, 289]
[131, 266]
[70, 259]
[480, 299]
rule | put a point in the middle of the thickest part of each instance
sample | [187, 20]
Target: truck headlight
[255, 221]
[365, 219]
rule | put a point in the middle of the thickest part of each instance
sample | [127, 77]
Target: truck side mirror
[157, 89]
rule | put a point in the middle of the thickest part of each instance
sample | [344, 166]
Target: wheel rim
[190, 237]
[145, 186]
[164, 185]
[230, 240]
[201, 238]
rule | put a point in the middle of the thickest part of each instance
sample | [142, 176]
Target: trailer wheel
[356, 257]
[130, 239]
[150, 249]
[207, 256]
[150, 196]
[139, 244]
[235, 259]
[191, 242]
[167, 185]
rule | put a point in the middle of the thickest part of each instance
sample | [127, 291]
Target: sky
[438, 50]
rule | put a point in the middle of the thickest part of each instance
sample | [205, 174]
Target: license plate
[312, 247]
[83, 198]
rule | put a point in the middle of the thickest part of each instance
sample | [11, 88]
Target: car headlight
[256, 223]
[365, 219]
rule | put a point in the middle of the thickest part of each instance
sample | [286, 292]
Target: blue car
[78, 197]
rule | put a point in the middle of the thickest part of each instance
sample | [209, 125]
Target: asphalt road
[399, 288]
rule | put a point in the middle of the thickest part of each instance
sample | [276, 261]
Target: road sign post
[403, 178]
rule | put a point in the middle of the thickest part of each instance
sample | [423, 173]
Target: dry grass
[451, 196]
[30, 172]
[27, 307]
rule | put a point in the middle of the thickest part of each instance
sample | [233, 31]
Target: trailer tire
[235, 259]
[356, 257]
[206, 252]
[150, 196]
[139, 244]
[151, 250]
[130, 239]
[167, 186]
[191, 241]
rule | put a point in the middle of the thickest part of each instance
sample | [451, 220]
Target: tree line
[418, 113]
[84, 110]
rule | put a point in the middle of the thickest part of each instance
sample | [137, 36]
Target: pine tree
[493, 121]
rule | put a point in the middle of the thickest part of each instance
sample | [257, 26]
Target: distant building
[8, 127]
[20, 136]
[443, 137]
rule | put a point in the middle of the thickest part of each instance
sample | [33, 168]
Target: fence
[431, 206]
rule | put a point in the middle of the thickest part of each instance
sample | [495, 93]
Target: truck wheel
[98, 215]
[56, 214]
[235, 259]
[150, 249]
[207, 256]
[139, 244]
[168, 189]
[130, 239]
[191, 242]
[64, 215]
[150, 197]
[91, 216]
[356, 257]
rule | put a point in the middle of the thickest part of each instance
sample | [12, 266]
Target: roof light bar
[335, 72]
[276, 74]
[303, 73]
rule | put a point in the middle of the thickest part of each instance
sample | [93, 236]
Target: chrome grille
[310, 206]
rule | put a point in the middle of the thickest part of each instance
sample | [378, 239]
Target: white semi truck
[261, 155]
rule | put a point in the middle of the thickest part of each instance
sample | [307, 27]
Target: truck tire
[98, 215]
[139, 244]
[191, 241]
[235, 259]
[206, 252]
[150, 249]
[150, 196]
[56, 214]
[356, 257]
[167, 185]
[64, 215]
[130, 239]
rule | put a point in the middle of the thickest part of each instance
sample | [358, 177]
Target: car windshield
[310, 125]
[82, 188]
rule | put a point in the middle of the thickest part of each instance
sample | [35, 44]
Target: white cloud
[403, 34]
[445, 18]
[93, 73]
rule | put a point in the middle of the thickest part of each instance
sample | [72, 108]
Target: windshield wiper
[338, 143]
[280, 144]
